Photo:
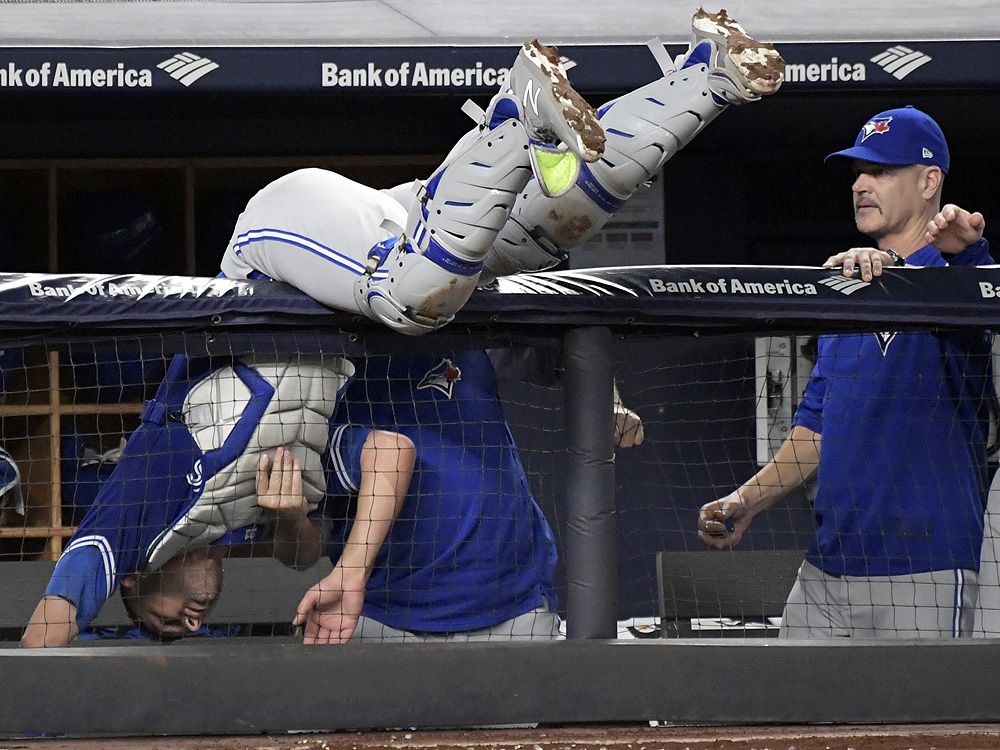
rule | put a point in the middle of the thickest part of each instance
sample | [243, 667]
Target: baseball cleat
[743, 69]
[553, 110]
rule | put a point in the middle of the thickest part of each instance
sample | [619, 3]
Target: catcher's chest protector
[235, 415]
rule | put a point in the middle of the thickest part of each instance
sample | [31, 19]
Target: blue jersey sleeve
[810, 411]
[344, 475]
[85, 577]
[976, 254]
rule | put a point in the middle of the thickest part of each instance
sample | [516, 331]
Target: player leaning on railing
[541, 174]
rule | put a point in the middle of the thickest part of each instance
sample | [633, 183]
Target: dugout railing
[251, 687]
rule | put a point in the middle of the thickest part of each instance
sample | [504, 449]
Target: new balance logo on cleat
[844, 286]
[531, 95]
[900, 61]
[187, 67]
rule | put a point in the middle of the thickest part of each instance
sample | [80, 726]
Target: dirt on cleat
[578, 114]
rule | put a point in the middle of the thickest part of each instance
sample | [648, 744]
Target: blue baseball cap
[900, 136]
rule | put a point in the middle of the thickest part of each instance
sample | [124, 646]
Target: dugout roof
[457, 47]
[434, 22]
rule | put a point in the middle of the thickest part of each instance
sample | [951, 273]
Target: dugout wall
[142, 688]
[195, 153]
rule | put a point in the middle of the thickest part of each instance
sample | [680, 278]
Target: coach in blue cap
[900, 137]
[893, 425]
[899, 159]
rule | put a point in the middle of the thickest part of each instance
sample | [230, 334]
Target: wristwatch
[897, 259]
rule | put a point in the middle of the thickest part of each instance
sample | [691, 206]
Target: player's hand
[279, 484]
[867, 261]
[628, 427]
[721, 523]
[953, 229]
[330, 610]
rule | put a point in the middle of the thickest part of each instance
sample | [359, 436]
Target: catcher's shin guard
[418, 281]
[644, 129]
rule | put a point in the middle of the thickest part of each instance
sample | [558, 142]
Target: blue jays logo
[875, 126]
[442, 377]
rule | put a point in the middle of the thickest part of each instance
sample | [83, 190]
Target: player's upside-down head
[175, 600]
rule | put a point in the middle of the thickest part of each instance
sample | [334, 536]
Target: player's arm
[722, 522]
[955, 232]
[330, 609]
[53, 623]
[387, 461]
[297, 540]
[628, 425]
[74, 595]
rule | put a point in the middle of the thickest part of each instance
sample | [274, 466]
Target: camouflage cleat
[744, 69]
[552, 110]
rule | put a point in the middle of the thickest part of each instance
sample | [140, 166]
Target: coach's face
[888, 198]
[175, 600]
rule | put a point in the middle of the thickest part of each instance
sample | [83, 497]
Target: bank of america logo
[900, 61]
[187, 67]
[844, 286]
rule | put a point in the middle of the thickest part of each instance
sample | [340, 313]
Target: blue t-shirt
[470, 548]
[904, 419]
[161, 474]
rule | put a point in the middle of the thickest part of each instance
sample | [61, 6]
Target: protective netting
[439, 478]
[139, 471]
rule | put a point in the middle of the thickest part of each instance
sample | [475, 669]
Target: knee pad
[414, 292]
[521, 248]
[542, 229]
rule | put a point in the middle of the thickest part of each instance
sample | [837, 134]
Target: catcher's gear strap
[235, 415]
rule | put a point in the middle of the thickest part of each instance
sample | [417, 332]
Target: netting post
[591, 533]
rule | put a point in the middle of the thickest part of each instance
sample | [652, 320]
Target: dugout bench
[745, 586]
[739, 589]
